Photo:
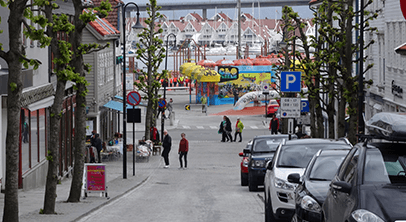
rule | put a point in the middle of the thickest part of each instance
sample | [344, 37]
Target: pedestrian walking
[169, 107]
[274, 125]
[183, 150]
[225, 130]
[167, 144]
[239, 126]
[203, 101]
[97, 142]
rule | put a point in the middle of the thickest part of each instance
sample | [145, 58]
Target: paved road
[209, 190]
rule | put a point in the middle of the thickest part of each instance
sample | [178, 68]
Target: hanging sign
[228, 73]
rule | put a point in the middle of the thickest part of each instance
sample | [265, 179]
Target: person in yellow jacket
[239, 126]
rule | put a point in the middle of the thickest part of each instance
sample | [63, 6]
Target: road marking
[254, 127]
[200, 127]
[213, 127]
[186, 127]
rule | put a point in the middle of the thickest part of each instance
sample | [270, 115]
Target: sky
[269, 12]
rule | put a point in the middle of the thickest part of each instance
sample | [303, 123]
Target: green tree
[16, 59]
[151, 54]
[81, 18]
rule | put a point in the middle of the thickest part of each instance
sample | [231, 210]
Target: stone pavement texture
[31, 201]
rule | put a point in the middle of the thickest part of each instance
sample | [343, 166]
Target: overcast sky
[269, 12]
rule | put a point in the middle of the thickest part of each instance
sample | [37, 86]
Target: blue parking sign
[304, 105]
[291, 81]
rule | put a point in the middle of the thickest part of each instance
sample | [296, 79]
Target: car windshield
[384, 167]
[298, 156]
[325, 167]
[266, 144]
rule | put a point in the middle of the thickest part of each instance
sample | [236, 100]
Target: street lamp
[137, 26]
[165, 82]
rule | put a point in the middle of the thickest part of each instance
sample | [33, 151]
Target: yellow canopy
[195, 72]
[208, 75]
[190, 69]
[184, 66]
[298, 65]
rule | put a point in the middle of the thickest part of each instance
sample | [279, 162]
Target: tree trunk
[80, 113]
[14, 92]
[53, 149]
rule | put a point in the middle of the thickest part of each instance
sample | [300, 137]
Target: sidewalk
[30, 202]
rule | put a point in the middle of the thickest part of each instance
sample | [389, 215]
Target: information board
[95, 177]
[290, 107]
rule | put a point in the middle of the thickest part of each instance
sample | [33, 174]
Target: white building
[388, 72]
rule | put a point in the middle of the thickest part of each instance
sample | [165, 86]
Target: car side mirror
[246, 151]
[341, 186]
[294, 178]
[241, 154]
[269, 165]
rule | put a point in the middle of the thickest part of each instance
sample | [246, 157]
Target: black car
[370, 185]
[313, 185]
[262, 150]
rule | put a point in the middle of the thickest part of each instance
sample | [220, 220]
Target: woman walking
[183, 149]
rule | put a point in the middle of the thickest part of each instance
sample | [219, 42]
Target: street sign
[187, 107]
[265, 89]
[162, 103]
[291, 81]
[304, 104]
[133, 98]
[290, 107]
[291, 126]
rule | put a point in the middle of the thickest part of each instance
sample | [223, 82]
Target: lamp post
[165, 82]
[137, 26]
[361, 124]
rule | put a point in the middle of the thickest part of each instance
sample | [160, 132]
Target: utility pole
[239, 29]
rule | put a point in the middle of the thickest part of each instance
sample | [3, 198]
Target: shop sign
[228, 73]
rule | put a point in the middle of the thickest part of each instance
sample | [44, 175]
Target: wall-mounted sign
[228, 73]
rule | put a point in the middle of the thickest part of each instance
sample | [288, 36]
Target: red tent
[207, 63]
[243, 62]
[224, 62]
[262, 62]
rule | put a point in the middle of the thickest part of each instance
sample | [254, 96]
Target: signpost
[265, 91]
[290, 106]
[162, 105]
[134, 98]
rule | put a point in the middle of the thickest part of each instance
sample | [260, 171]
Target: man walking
[183, 149]
[167, 144]
[274, 125]
[238, 129]
[203, 100]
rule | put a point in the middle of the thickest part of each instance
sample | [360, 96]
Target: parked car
[273, 106]
[291, 157]
[370, 185]
[244, 163]
[313, 185]
[262, 150]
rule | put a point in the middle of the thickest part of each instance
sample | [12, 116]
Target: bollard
[172, 118]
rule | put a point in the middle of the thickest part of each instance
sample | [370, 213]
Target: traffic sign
[133, 98]
[291, 81]
[162, 103]
[265, 89]
[304, 104]
[187, 107]
[290, 107]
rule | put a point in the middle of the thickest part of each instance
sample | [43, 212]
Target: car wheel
[252, 186]
[244, 179]
[269, 217]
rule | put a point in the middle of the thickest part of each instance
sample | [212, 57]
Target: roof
[314, 141]
[103, 27]
[401, 49]
[113, 15]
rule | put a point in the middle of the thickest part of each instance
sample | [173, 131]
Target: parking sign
[291, 81]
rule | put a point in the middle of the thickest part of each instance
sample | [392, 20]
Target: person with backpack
[239, 126]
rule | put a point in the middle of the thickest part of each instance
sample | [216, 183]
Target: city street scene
[202, 111]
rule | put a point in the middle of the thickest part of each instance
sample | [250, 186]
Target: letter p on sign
[291, 81]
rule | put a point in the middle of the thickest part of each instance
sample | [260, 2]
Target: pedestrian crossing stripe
[186, 127]
[254, 127]
[200, 127]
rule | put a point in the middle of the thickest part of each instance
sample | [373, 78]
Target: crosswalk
[216, 127]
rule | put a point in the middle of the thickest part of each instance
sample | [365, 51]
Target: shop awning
[117, 105]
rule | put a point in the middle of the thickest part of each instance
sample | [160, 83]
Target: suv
[291, 157]
[262, 150]
[371, 183]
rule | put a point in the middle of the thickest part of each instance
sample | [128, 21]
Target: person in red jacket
[274, 125]
[183, 149]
